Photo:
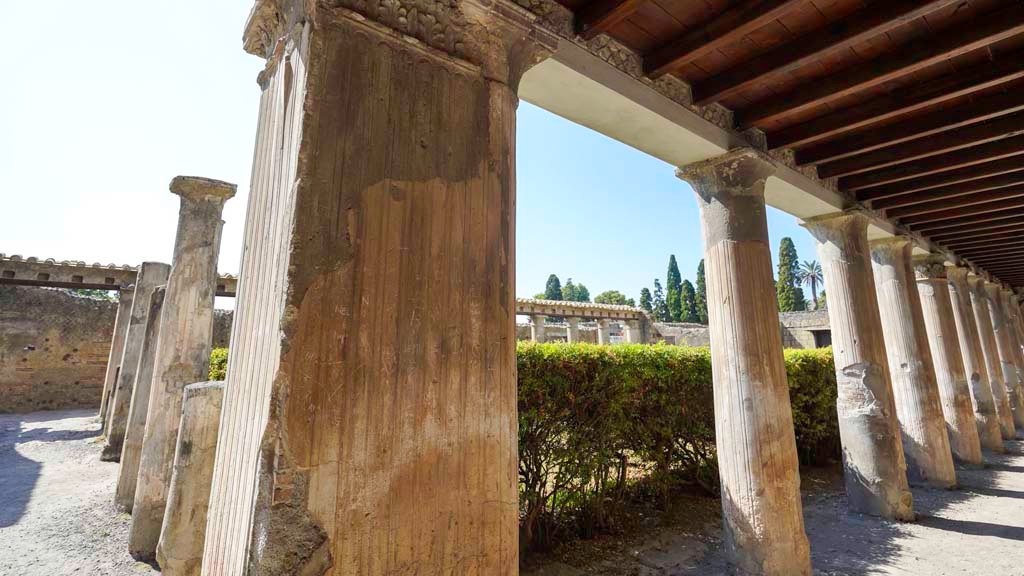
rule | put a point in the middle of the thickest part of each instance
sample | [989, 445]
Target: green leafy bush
[218, 364]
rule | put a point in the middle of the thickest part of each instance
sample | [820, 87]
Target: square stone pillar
[125, 296]
[538, 328]
[990, 350]
[369, 421]
[756, 446]
[941, 331]
[573, 334]
[602, 331]
[925, 441]
[182, 354]
[633, 333]
[873, 460]
[150, 275]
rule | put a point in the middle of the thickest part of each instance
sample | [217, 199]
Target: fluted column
[124, 314]
[941, 332]
[573, 332]
[757, 458]
[1006, 344]
[990, 351]
[149, 276]
[982, 400]
[183, 348]
[538, 328]
[873, 460]
[602, 331]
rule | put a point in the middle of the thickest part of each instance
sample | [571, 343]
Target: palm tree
[809, 272]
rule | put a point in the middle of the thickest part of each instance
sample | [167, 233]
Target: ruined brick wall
[54, 347]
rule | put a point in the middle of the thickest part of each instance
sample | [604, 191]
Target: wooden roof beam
[904, 101]
[943, 179]
[728, 27]
[965, 192]
[955, 202]
[1003, 250]
[980, 236]
[1005, 148]
[867, 23]
[976, 213]
[969, 226]
[602, 15]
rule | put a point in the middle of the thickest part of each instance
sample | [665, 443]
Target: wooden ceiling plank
[837, 36]
[980, 237]
[964, 190]
[601, 16]
[968, 226]
[1009, 249]
[981, 110]
[973, 135]
[975, 213]
[904, 101]
[917, 55]
[961, 175]
[956, 202]
[725, 28]
[999, 149]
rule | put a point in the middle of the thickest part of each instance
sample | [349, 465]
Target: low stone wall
[682, 334]
[54, 347]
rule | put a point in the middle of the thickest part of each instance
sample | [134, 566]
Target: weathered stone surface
[183, 348]
[1004, 350]
[54, 348]
[943, 341]
[990, 351]
[180, 551]
[538, 328]
[151, 275]
[873, 460]
[756, 446]
[982, 400]
[131, 451]
[124, 312]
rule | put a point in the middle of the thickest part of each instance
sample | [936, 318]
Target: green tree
[575, 292]
[553, 289]
[702, 294]
[822, 302]
[689, 300]
[658, 303]
[93, 293]
[612, 297]
[791, 296]
[809, 273]
[540, 296]
[645, 300]
[582, 293]
[673, 285]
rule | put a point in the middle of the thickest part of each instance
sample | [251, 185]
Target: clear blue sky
[106, 101]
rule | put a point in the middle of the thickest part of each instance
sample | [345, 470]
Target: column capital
[957, 273]
[835, 225]
[197, 188]
[739, 171]
[930, 267]
[889, 250]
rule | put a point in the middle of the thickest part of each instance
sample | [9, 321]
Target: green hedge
[597, 423]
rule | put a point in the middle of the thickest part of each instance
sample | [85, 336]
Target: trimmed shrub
[218, 364]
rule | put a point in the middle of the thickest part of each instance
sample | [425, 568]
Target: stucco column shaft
[925, 441]
[131, 451]
[125, 297]
[150, 275]
[633, 335]
[602, 331]
[990, 350]
[943, 341]
[873, 460]
[982, 400]
[1008, 303]
[756, 446]
[573, 333]
[180, 551]
[369, 421]
[183, 348]
[538, 328]
[1004, 347]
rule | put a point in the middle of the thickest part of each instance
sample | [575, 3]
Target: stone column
[1013, 319]
[183, 348]
[990, 351]
[131, 451]
[944, 344]
[180, 551]
[602, 331]
[925, 441]
[538, 328]
[573, 334]
[150, 275]
[757, 459]
[1003, 330]
[369, 420]
[873, 460]
[125, 297]
[632, 329]
[982, 401]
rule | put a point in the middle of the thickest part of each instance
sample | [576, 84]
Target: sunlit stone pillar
[131, 451]
[1003, 330]
[180, 551]
[990, 351]
[873, 460]
[925, 441]
[538, 328]
[369, 423]
[633, 332]
[602, 331]
[940, 328]
[183, 348]
[124, 314]
[982, 401]
[573, 333]
[756, 447]
[150, 275]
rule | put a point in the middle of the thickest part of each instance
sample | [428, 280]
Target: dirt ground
[57, 517]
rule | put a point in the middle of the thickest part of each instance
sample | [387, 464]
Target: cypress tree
[553, 290]
[658, 303]
[645, 300]
[673, 284]
[569, 291]
[791, 296]
[702, 295]
[582, 293]
[689, 300]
